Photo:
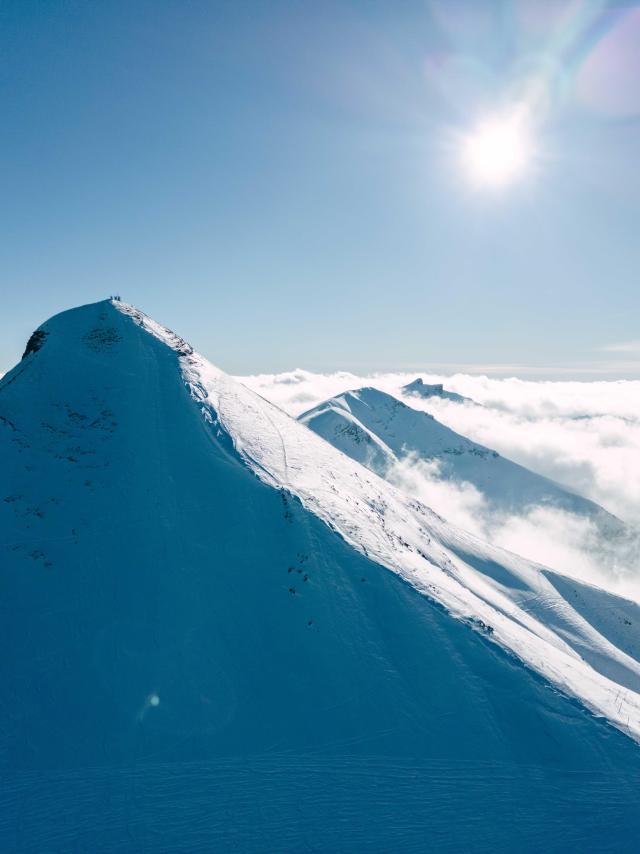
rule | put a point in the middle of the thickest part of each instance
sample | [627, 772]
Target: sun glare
[497, 152]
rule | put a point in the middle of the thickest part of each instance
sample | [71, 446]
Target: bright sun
[497, 152]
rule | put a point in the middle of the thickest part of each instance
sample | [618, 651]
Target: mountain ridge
[218, 601]
[389, 431]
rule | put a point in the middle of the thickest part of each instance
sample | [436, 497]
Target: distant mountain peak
[418, 388]
[396, 432]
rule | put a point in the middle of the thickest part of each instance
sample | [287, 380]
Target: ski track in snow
[511, 600]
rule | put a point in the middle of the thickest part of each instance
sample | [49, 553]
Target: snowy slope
[220, 633]
[378, 430]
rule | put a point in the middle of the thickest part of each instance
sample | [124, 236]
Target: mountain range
[221, 632]
[378, 430]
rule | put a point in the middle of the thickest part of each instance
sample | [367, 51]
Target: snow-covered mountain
[221, 633]
[378, 430]
[419, 388]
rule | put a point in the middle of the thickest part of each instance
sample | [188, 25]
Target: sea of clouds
[585, 435]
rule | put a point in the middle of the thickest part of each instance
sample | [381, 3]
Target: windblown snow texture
[219, 633]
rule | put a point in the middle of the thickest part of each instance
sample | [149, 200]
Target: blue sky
[281, 182]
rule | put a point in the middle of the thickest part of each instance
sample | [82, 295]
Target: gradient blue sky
[280, 181]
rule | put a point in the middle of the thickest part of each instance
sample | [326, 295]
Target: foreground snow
[513, 601]
[220, 633]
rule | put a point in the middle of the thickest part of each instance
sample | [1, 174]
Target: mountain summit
[221, 633]
[419, 388]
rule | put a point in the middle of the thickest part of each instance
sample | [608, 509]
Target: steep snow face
[210, 642]
[378, 430]
[418, 388]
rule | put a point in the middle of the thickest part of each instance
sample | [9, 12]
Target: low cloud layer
[551, 536]
[586, 435]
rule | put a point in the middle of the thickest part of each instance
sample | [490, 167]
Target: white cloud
[556, 538]
[586, 435]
